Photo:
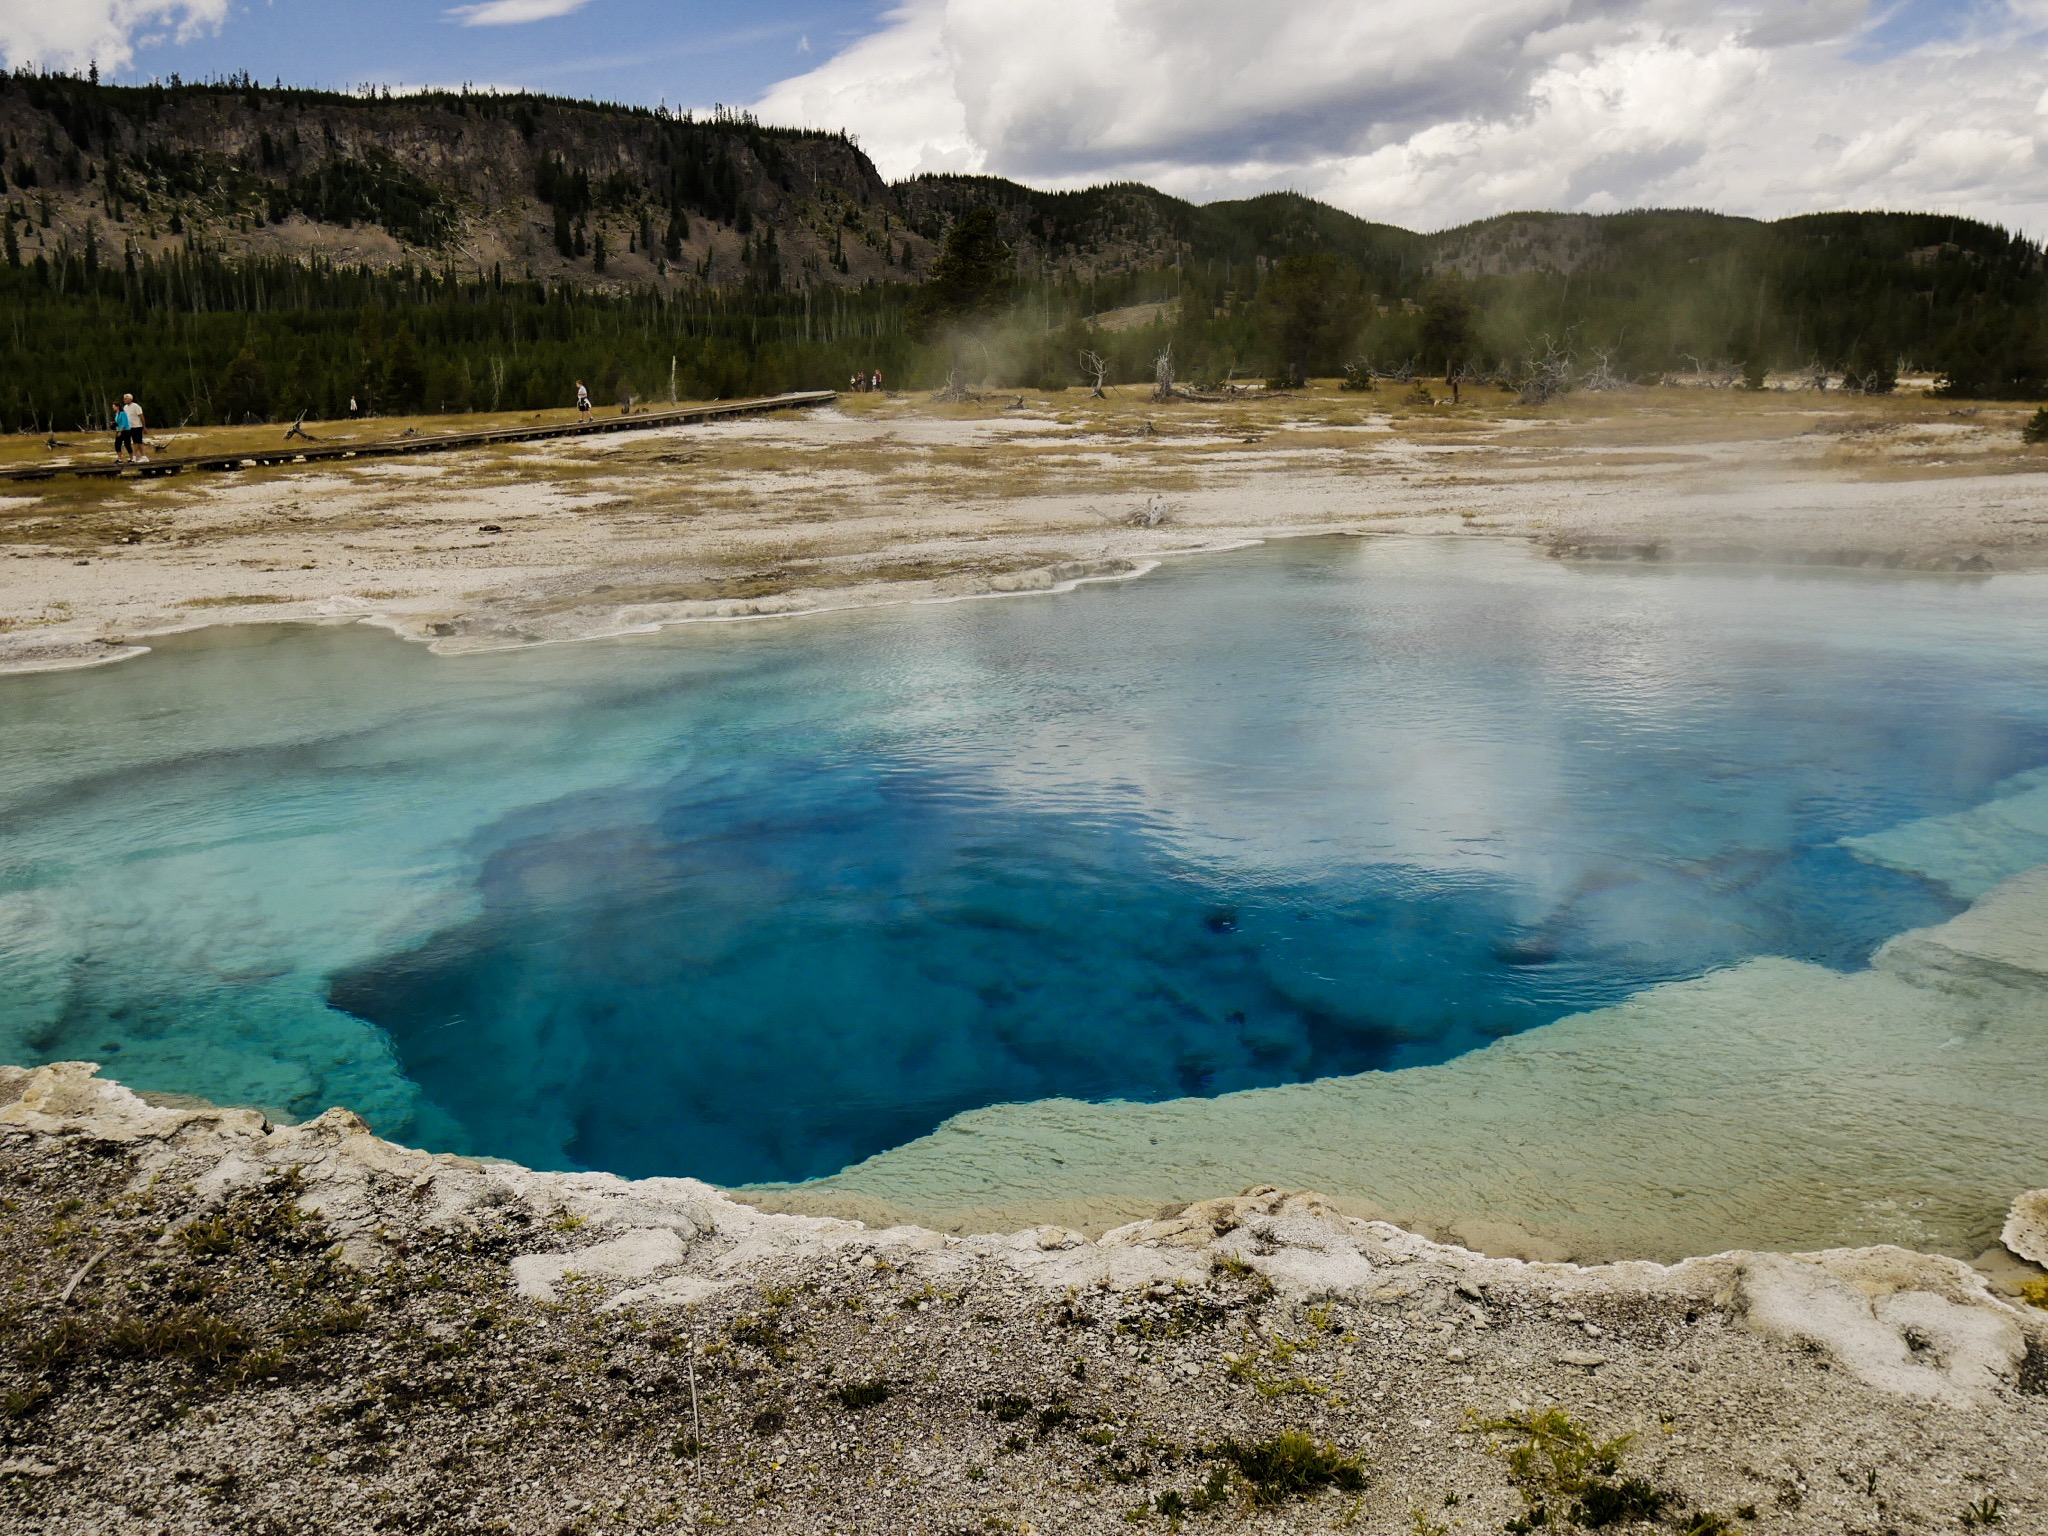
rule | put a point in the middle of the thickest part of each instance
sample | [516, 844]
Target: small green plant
[210, 1239]
[1421, 1525]
[859, 1396]
[1008, 1408]
[1213, 1491]
[2035, 1292]
[196, 1339]
[765, 1335]
[269, 1214]
[1982, 1515]
[20, 1402]
[1563, 1473]
[1292, 1466]
[1057, 1416]
[2036, 429]
[1706, 1523]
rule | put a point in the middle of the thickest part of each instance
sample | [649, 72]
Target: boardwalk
[318, 453]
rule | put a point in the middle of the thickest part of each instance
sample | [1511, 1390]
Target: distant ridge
[245, 252]
[616, 196]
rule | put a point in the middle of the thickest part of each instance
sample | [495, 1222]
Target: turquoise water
[752, 902]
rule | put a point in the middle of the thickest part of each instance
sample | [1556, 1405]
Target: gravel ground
[215, 1325]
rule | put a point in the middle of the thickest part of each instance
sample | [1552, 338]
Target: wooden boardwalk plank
[394, 447]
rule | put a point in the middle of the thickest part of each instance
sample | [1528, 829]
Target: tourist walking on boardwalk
[582, 401]
[121, 433]
[136, 445]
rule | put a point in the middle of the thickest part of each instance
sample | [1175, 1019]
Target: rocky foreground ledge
[216, 1324]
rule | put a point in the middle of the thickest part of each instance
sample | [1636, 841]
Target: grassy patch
[1007, 1409]
[1291, 1465]
[764, 1334]
[1569, 1478]
[859, 1396]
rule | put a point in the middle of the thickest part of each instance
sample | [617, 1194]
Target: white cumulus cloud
[1430, 114]
[72, 34]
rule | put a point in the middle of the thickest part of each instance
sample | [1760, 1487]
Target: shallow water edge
[1052, 580]
[1773, 1105]
[1047, 581]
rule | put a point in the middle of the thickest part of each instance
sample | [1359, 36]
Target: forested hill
[241, 250]
[533, 186]
[523, 185]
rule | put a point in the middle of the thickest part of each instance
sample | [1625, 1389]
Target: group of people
[871, 383]
[129, 447]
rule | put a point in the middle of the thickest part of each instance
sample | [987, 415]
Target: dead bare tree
[1817, 376]
[1603, 377]
[1712, 373]
[956, 391]
[1547, 378]
[1162, 376]
[1097, 369]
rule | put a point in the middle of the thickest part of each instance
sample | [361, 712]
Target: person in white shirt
[135, 424]
[582, 399]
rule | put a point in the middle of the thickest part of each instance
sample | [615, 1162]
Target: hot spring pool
[755, 902]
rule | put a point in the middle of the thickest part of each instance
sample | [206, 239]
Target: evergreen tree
[245, 392]
[405, 376]
[1314, 302]
[1446, 325]
[971, 279]
[302, 389]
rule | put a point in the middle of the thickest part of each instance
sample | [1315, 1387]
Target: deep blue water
[754, 902]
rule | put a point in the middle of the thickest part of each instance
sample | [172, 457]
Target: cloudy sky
[1419, 112]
